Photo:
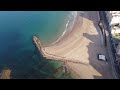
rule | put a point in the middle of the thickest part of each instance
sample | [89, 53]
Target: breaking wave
[69, 25]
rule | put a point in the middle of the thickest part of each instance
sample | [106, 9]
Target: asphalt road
[109, 47]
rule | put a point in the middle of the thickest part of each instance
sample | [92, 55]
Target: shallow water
[17, 50]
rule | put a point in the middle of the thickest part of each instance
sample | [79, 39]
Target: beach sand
[82, 44]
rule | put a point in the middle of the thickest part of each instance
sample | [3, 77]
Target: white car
[102, 57]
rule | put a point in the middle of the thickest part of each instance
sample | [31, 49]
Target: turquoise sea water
[17, 50]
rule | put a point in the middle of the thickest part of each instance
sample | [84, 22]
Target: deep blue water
[17, 50]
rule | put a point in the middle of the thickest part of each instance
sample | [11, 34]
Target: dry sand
[83, 44]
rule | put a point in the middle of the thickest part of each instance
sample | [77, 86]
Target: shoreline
[59, 40]
[66, 31]
[75, 48]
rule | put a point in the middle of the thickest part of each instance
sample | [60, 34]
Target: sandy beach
[82, 44]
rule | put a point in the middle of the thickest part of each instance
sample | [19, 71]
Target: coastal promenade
[79, 48]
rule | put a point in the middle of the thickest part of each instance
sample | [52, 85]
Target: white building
[114, 21]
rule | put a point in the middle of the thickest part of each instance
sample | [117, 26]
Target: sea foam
[69, 25]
